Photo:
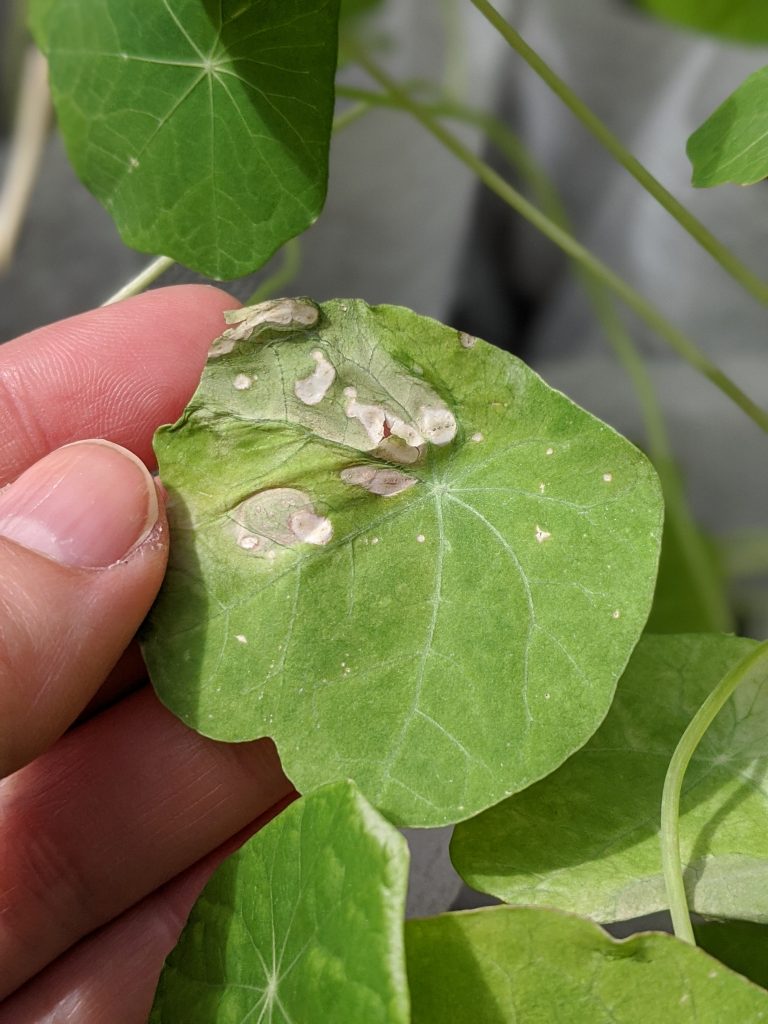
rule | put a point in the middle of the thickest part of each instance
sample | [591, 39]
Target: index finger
[115, 373]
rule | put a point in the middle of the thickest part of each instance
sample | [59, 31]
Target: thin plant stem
[673, 336]
[142, 280]
[350, 115]
[454, 49]
[679, 517]
[753, 667]
[716, 249]
[30, 131]
[275, 283]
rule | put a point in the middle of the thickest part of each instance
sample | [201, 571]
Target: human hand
[109, 827]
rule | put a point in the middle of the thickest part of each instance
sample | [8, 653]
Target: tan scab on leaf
[278, 315]
[383, 482]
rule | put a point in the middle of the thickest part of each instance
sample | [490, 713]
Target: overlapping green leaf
[740, 945]
[445, 645]
[202, 126]
[536, 966]
[586, 838]
[732, 144]
[737, 19]
[679, 605]
[303, 923]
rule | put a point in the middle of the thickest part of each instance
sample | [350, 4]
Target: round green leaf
[203, 127]
[501, 965]
[304, 923]
[587, 838]
[732, 144]
[445, 631]
[736, 19]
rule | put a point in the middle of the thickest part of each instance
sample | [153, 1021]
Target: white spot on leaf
[616, 614]
[310, 528]
[421, 538]
[312, 390]
[372, 417]
[607, 477]
[241, 639]
[466, 340]
[438, 425]
[242, 382]
[550, 451]
[477, 437]
[542, 535]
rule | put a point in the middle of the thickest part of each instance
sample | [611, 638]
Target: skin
[112, 813]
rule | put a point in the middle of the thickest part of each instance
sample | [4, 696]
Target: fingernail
[87, 504]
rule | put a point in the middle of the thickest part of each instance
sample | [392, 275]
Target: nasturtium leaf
[304, 923]
[732, 144]
[735, 19]
[399, 553]
[587, 838]
[202, 127]
[504, 964]
[740, 945]
[354, 8]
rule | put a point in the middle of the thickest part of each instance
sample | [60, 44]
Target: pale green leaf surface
[303, 924]
[737, 19]
[450, 644]
[503, 965]
[587, 838]
[732, 144]
[203, 127]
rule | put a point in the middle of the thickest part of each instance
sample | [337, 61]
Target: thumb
[83, 548]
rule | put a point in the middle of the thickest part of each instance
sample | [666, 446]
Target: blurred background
[406, 223]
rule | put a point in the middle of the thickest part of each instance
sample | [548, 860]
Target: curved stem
[30, 131]
[755, 665]
[350, 115]
[142, 280]
[719, 252]
[673, 336]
